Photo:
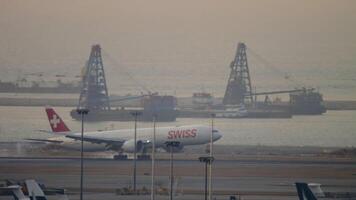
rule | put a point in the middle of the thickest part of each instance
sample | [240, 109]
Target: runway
[251, 178]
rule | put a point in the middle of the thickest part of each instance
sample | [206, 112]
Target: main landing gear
[125, 157]
[120, 157]
[143, 157]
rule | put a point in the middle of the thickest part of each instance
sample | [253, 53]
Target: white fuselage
[185, 135]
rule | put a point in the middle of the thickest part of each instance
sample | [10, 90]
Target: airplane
[122, 141]
[30, 190]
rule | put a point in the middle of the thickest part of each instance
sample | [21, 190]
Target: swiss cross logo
[54, 121]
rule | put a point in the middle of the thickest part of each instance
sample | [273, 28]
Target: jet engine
[129, 146]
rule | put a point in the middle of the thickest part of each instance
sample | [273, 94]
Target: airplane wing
[52, 132]
[44, 140]
[110, 143]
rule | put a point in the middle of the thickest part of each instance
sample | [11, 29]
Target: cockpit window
[215, 131]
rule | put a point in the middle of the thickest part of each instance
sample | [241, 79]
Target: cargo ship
[161, 107]
[307, 102]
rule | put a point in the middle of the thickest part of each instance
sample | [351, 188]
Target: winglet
[56, 122]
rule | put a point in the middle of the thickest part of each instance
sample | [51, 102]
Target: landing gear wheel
[120, 157]
[143, 157]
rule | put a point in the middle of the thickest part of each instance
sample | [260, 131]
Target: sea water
[332, 129]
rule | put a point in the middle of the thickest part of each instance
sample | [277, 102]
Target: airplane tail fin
[34, 190]
[304, 192]
[56, 122]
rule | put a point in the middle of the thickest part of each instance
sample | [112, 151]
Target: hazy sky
[166, 36]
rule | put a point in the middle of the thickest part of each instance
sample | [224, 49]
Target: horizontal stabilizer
[44, 140]
[16, 190]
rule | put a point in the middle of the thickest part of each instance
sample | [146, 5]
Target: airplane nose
[216, 135]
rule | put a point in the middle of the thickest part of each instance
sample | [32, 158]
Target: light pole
[171, 145]
[135, 114]
[207, 160]
[211, 156]
[153, 158]
[82, 112]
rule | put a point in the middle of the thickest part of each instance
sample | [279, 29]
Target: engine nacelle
[129, 146]
[176, 149]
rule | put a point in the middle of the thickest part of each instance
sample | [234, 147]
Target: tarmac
[244, 176]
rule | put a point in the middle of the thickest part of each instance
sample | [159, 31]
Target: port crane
[239, 88]
[94, 96]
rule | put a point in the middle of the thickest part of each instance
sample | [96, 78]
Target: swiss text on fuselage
[176, 134]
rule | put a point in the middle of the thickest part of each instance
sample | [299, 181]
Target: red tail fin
[56, 122]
